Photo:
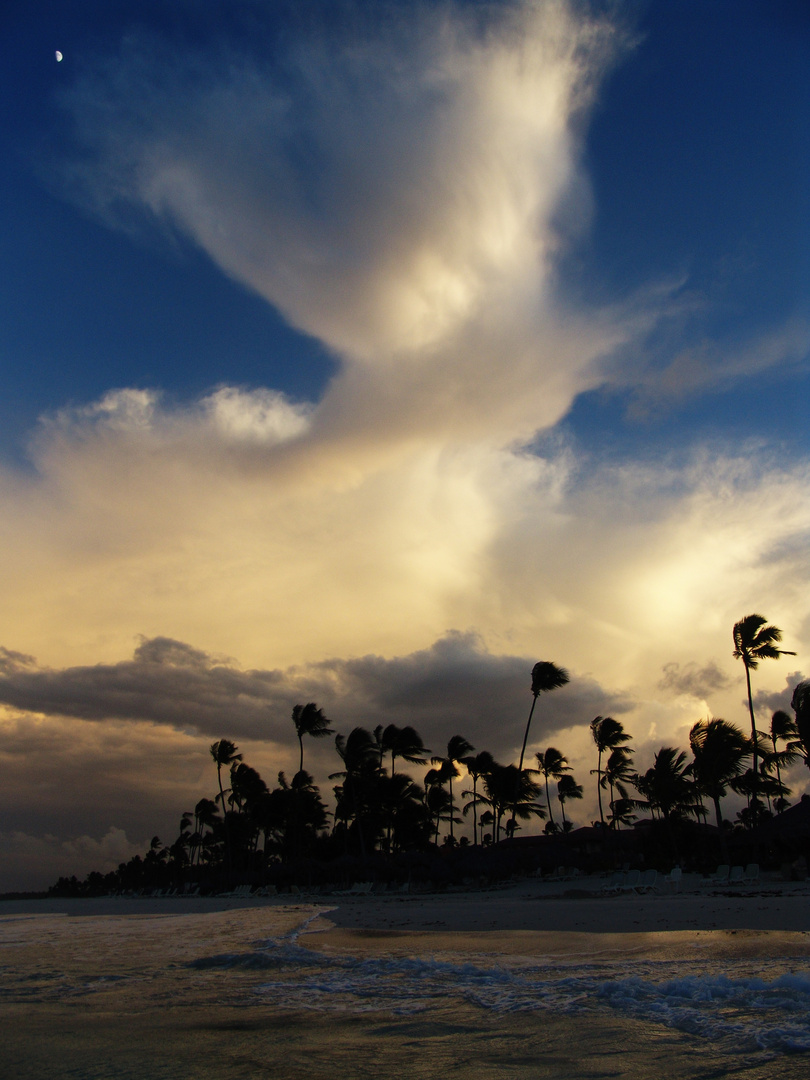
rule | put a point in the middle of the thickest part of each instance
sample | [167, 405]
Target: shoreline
[523, 907]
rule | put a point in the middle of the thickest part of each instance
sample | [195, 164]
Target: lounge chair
[614, 882]
[735, 876]
[674, 878]
[648, 882]
[720, 876]
[631, 881]
[751, 874]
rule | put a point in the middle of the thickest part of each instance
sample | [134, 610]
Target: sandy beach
[774, 906]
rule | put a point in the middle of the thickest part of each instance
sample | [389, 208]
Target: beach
[522, 981]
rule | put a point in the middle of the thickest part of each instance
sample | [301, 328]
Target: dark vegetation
[388, 827]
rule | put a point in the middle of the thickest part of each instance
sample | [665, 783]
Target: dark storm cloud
[455, 686]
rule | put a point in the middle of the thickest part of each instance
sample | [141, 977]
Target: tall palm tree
[476, 767]
[783, 729]
[567, 788]
[457, 748]
[224, 753]
[617, 774]
[546, 676]
[551, 763]
[754, 640]
[608, 734]
[358, 752]
[309, 720]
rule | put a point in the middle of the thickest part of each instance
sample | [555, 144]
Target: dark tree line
[248, 827]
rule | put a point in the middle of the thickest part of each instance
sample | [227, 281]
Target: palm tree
[608, 734]
[617, 774]
[567, 788]
[669, 786]
[405, 743]
[476, 767]
[223, 753]
[508, 787]
[800, 703]
[551, 763]
[719, 750]
[358, 752]
[783, 729]
[309, 720]
[755, 641]
[545, 676]
[457, 748]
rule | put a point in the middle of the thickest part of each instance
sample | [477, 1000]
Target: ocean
[277, 992]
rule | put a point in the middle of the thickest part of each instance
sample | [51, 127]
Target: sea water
[277, 992]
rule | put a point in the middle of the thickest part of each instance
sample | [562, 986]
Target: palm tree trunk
[548, 802]
[520, 763]
[599, 787]
[753, 725]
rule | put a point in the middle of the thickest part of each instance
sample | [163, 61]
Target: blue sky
[446, 334]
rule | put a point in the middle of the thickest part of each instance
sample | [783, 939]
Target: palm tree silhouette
[754, 640]
[545, 676]
[476, 767]
[608, 734]
[719, 750]
[800, 703]
[457, 749]
[567, 788]
[405, 743]
[309, 720]
[224, 753]
[551, 763]
[783, 729]
[617, 774]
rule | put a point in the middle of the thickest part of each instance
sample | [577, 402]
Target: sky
[369, 352]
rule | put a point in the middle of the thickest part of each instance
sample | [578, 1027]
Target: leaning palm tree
[309, 720]
[545, 676]
[755, 641]
[608, 734]
[551, 763]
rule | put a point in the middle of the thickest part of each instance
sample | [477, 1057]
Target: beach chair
[674, 878]
[751, 874]
[631, 882]
[613, 883]
[648, 882]
[720, 876]
[735, 876]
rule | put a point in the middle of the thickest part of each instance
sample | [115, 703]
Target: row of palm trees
[378, 807]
